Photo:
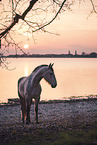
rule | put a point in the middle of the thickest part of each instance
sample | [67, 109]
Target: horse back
[20, 80]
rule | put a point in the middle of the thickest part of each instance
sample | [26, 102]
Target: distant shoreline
[69, 55]
[43, 56]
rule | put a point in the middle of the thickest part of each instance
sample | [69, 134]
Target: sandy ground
[50, 114]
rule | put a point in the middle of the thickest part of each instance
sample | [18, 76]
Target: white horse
[29, 88]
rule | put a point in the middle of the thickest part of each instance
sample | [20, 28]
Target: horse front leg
[28, 112]
[36, 110]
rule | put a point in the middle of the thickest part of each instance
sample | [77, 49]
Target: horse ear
[50, 65]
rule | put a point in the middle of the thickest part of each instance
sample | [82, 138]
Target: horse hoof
[28, 122]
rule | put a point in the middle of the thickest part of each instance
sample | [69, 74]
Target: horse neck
[37, 76]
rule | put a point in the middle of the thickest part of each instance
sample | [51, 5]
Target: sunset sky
[77, 31]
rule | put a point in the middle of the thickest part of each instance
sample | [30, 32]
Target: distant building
[75, 52]
[69, 52]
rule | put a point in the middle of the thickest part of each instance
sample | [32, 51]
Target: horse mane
[38, 67]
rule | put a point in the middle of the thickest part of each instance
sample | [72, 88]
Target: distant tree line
[83, 55]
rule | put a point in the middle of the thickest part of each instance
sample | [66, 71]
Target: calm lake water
[75, 77]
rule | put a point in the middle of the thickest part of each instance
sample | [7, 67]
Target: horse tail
[23, 103]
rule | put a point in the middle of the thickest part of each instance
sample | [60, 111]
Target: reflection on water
[26, 71]
[75, 77]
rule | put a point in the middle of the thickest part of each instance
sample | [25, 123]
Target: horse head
[49, 76]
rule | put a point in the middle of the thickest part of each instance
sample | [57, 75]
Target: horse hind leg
[23, 109]
[28, 111]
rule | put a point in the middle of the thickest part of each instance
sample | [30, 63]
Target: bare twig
[94, 10]
[17, 17]
[41, 27]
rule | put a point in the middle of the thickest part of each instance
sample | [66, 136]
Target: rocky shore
[56, 114]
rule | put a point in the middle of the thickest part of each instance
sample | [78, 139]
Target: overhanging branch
[17, 17]
[41, 27]
[93, 7]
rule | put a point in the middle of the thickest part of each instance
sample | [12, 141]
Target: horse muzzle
[54, 85]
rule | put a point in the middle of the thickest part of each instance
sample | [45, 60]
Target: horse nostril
[53, 86]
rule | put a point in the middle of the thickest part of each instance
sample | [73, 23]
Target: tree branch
[52, 18]
[93, 7]
[17, 17]
[32, 2]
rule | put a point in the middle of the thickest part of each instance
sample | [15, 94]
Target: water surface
[75, 77]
